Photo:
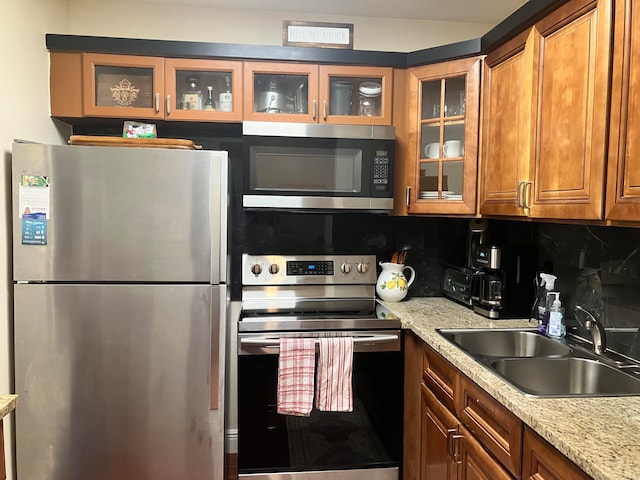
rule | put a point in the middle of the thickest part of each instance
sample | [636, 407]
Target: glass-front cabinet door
[281, 92]
[355, 95]
[443, 134]
[203, 90]
[125, 86]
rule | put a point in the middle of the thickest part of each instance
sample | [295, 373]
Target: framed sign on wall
[317, 34]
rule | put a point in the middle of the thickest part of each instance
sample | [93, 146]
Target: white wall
[171, 22]
[24, 101]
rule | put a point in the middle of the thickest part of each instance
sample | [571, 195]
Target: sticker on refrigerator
[34, 229]
[34, 208]
[33, 196]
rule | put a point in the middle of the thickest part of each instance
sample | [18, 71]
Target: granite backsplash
[597, 267]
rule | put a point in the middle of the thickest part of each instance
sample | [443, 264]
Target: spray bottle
[556, 327]
[547, 284]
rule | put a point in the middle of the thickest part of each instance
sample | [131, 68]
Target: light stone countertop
[600, 435]
[7, 404]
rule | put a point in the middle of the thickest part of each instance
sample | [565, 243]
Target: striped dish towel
[296, 367]
[335, 367]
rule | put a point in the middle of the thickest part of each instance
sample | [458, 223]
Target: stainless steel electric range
[314, 296]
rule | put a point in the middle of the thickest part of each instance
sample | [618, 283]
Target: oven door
[363, 444]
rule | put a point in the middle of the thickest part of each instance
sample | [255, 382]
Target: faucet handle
[595, 327]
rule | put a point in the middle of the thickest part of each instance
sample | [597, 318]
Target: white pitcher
[392, 285]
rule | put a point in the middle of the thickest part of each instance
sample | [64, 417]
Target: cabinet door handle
[518, 195]
[157, 102]
[525, 195]
[324, 109]
[455, 456]
[314, 109]
[452, 451]
[168, 104]
[450, 434]
[408, 199]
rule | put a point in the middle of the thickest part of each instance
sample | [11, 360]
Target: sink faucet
[596, 329]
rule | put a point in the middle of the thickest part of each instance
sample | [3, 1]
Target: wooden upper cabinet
[215, 84]
[508, 126]
[144, 88]
[290, 92]
[623, 178]
[545, 117]
[440, 170]
[573, 81]
[281, 92]
[355, 95]
[122, 86]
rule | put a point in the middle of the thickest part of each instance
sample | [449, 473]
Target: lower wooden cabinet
[541, 461]
[448, 450]
[499, 430]
[463, 433]
[440, 432]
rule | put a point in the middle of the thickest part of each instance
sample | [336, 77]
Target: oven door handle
[361, 343]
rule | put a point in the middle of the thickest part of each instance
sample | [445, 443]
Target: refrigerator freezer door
[120, 214]
[114, 381]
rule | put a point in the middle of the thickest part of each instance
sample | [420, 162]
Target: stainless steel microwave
[295, 166]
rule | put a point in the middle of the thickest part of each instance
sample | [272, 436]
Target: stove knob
[274, 268]
[345, 268]
[363, 268]
[256, 269]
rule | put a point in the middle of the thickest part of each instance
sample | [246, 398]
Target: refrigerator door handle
[217, 314]
[219, 218]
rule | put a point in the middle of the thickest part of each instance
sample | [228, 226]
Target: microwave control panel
[381, 171]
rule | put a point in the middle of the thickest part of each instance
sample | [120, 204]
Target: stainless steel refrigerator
[120, 298]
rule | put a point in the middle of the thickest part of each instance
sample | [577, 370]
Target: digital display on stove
[310, 268]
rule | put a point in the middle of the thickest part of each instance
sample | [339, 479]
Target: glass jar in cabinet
[441, 174]
[124, 86]
[203, 90]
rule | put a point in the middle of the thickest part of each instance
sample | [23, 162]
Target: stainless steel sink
[565, 377]
[539, 366]
[505, 343]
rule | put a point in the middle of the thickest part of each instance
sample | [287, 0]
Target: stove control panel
[308, 269]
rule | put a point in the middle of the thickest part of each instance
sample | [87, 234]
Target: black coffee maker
[502, 284]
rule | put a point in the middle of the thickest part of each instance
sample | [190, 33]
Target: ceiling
[481, 11]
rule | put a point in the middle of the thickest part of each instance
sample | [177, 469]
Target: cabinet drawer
[440, 376]
[497, 429]
[541, 461]
[476, 463]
